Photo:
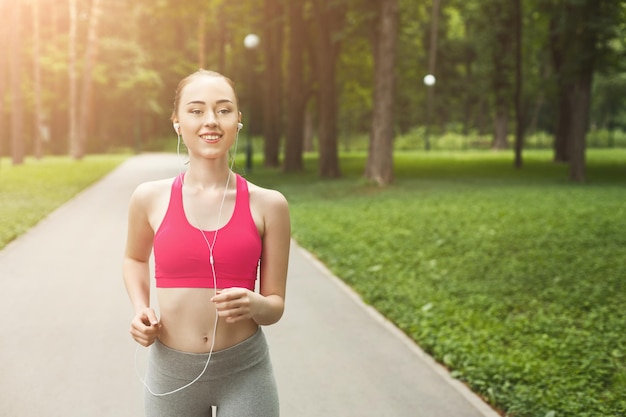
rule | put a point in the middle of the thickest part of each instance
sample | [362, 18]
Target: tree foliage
[316, 62]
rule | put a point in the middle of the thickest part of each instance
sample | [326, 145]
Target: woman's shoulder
[266, 196]
[147, 191]
[271, 208]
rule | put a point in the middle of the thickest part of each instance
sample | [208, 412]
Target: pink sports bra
[181, 254]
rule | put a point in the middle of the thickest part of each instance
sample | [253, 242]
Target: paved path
[65, 350]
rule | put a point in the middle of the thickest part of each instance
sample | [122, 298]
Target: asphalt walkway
[64, 317]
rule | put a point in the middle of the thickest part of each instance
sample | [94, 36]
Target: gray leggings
[239, 381]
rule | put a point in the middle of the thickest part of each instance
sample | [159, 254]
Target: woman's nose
[210, 119]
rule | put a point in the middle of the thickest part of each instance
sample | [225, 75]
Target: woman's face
[208, 116]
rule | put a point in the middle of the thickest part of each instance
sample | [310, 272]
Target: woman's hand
[237, 304]
[145, 327]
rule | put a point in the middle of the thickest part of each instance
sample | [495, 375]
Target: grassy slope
[30, 191]
[513, 279]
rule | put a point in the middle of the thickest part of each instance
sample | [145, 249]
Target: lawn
[30, 191]
[515, 280]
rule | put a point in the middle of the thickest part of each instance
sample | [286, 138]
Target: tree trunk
[329, 20]
[4, 60]
[57, 117]
[501, 14]
[379, 166]
[580, 102]
[74, 146]
[501, 125]
[327, 131]
[273, 86]
[563, 124]
[574, 53]
[17, 102]
[90, 60]
[39, 119]
[561, 129]
[519, 111]
[296, 99]
[580, 95]
[469, 102]
[309, 131]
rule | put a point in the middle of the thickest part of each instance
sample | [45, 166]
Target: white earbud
[239, 126]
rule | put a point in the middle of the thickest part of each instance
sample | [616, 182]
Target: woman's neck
[207, 176]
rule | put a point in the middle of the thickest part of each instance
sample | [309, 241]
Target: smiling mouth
[211, 137]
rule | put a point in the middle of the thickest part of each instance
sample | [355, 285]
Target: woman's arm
[266, 307]
[136, 271]
[274, 258]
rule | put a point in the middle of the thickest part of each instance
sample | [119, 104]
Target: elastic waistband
[187, 366]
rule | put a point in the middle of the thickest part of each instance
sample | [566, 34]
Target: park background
[490, 204]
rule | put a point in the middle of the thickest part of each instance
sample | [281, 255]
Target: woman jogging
[221, 248]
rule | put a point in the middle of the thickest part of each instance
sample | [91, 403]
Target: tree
[273, 36]
[329, 54]
[17, 102]
[296, 97]
[88, 66]
[557, 42]
[580, 31]
[500, 16]
[379, 166]
[519, 112]
[39, 119]
[74, 145]
[329, 20]
[3, 71]
[579, 96]
[54, 48]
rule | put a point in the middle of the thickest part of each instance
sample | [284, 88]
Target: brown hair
[201, 72]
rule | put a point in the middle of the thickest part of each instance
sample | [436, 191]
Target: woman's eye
[195, 111]
[223, 111]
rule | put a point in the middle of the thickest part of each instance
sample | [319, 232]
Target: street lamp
[429, 82]
[251, 42]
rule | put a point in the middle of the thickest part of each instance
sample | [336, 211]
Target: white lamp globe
[429, 80]
[251, 41]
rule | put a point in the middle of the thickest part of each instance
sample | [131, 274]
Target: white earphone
[210, 247]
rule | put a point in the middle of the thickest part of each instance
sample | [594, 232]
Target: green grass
[512, 279]
[30, 191]
[515, 280]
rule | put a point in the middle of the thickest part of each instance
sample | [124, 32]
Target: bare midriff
[188, 317]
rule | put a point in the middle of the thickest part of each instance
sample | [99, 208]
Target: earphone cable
[212, 262]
